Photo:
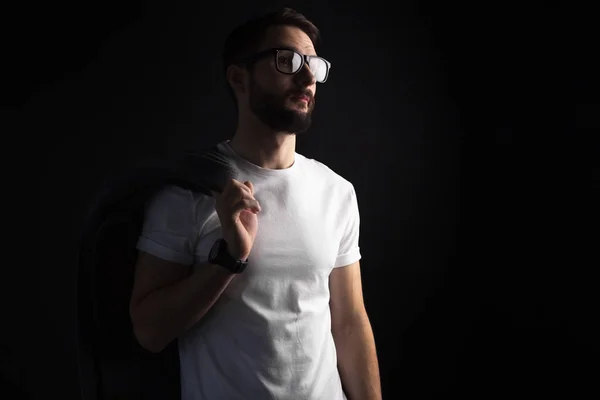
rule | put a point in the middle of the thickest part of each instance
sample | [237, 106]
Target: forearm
[357, 360]
[166, 313]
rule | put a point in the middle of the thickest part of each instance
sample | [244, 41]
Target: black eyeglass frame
[275, 51]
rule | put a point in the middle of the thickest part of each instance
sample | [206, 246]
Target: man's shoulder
[172, 198]
[175, 194]
[323, 170]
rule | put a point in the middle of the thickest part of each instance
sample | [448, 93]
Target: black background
[467, 130]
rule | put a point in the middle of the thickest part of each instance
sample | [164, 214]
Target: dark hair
[245, 40]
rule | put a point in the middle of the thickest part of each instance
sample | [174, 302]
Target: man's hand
[237, 209]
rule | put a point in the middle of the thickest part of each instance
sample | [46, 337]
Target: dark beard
[270, 110]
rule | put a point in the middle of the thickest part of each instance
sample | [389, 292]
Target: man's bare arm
[169, 298]
[353, 335]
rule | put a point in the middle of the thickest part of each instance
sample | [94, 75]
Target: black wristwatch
[220, 256]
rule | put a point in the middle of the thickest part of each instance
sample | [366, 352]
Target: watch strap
[223, 258]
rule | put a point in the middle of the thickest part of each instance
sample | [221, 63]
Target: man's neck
[267, 149]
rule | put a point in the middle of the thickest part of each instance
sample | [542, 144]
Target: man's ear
[235, 77]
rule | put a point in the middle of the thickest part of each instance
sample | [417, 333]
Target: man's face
[283, 102]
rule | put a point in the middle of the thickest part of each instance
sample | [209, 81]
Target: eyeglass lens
[289, 62]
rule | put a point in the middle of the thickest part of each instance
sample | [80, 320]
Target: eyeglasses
[289, 62]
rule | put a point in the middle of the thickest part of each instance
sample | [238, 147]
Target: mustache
[300, 92]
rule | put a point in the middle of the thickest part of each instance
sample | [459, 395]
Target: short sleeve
[169, 228]
[349, 250]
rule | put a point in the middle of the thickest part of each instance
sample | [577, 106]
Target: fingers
[227, 190]
[233, 184]
[249, 204]
[235, 191]
[238, 196]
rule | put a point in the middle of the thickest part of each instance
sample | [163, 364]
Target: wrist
[221, 254]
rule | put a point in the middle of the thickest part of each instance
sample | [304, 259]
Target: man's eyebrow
[288, 47]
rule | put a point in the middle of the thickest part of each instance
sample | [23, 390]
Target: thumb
[250, 185]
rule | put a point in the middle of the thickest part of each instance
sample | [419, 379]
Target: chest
[299, 232]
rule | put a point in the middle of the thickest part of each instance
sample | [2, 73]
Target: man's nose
[305, 76]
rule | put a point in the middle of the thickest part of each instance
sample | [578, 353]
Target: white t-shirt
[268, 336]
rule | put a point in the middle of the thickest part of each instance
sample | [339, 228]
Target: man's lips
[303, 98]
